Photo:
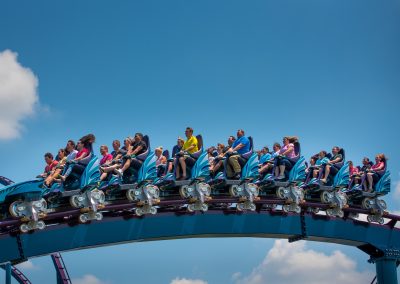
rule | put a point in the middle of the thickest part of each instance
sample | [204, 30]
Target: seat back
[146, 140]
[297, 148]
[166, 154]
[175, 150]
[250, 152]
[200, 146]
[144, 155]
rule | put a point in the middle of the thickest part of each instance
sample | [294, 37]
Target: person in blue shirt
[238, 148]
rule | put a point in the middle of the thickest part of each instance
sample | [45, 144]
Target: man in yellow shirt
[190, 146]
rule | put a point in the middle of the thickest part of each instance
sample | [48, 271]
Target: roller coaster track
[121, 225]
[18, 275]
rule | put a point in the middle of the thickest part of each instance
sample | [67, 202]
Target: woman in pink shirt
[83, 152]
[106, 160]
[375, 172]
[286, 158]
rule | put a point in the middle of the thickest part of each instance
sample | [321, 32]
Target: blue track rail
[214, 223]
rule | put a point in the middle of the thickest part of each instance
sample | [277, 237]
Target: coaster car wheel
[139, 211]
[153, 210]
[98, 216]
[280, 192]
[285, 208]
[16, 208]
[133, 194]
[233, 190]
[74, 201]
[325, 197]
[83, 218]
[382, 204]
[240, 206]
[366, 203]
[183, 191]
[190, 207]
[24, 228]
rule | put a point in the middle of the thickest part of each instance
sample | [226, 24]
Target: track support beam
[386, 270]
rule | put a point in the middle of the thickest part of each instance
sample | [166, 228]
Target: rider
[286, 157]
[189, 147]
[239, 147]
[50, 165]
[334, 164]
[376, 171]
[137, 147]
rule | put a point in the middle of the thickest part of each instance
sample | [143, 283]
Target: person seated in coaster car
[335, 163]
[105, 160]
[62, 155]
[131, 164]
[175, 150]
[236, 160]
[374, 174]
[116, 144]
[267, 160]
[50, 165]
[78, 164]
[117, 160]
[288, 156]
[218, 162]
[321, 161]
[310, 167]
[184, 156]
[161, 162]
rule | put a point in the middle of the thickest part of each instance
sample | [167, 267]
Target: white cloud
[88, 279]
[294, 263]
[27, 265]
[188, 281]
[18, 94]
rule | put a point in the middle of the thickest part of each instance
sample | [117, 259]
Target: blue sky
[327, 71]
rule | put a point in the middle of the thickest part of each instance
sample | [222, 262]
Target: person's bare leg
[276, 171]
[327, 170]
[370, 181]
[110, 168]
[126, 165]
[282, 170]
[183, 166]
[103, 176]
[315, 173]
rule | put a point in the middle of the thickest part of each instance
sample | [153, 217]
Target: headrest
[199, 141]
[251, 143]
[166, 154]
[297, 149]
[146, 140]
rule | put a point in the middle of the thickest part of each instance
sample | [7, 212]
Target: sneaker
[280, 177]
[119, 172]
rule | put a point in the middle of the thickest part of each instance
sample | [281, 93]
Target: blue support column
[386, 270]
[8, 273]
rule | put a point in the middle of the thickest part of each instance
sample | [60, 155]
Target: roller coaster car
[358, 197]
[137, 185]
[289, 189]
[332, 192]
[195, 189]
[24, 200]
[79, 191]
[244, 188]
